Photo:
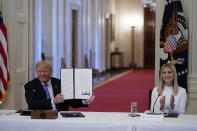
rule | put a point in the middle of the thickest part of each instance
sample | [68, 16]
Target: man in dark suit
[43, 93]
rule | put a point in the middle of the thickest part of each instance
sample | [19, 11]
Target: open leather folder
[71, 114]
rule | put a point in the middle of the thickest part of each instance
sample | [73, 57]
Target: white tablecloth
[95, 121]
[182, 123]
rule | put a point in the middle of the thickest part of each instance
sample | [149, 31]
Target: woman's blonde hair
[162, 84]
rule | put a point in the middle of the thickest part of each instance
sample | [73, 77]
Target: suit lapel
[55, 87]
[40, 87]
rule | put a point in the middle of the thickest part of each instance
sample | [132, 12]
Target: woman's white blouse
[180, 100]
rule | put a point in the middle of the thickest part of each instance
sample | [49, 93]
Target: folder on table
[72, 114]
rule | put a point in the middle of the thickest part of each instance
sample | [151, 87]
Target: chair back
[149, 98]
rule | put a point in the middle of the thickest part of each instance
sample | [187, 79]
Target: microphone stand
[155, 103]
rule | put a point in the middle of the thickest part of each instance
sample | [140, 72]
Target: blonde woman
[168, 97]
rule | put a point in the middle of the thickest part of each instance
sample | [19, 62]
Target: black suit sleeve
[35, 98]
[75, 103]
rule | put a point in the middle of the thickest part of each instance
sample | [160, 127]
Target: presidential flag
[174, 40]
[4, 72]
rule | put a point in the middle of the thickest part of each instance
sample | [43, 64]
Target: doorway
[149, 38]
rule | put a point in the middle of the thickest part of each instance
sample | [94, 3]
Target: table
[116, 60]
[95, 121]
[182, 123]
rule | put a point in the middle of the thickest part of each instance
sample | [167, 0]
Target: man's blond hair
[45, 63]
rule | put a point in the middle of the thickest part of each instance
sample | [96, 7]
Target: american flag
[4, 72]
[168, 46]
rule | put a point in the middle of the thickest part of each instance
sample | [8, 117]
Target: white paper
[83, 83]
[67, 83]
[77, 85]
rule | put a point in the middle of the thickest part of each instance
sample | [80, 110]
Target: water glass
[133, 107]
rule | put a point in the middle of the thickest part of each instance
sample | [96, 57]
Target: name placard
[155, 117]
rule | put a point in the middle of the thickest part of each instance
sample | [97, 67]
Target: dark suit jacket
[36, 98]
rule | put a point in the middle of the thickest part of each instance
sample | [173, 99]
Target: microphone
[155, 103]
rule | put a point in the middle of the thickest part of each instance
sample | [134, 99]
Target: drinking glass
[134, 107]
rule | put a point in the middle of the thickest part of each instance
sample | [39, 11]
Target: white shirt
[179, 100]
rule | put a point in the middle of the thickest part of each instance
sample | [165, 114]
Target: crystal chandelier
[150, 3]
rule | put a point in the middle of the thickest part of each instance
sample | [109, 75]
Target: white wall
[129, 13]
[16, 20]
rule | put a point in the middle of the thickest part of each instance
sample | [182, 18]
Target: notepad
[72, 114]
[76, 83]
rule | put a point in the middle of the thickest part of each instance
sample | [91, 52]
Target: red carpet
[117, 95]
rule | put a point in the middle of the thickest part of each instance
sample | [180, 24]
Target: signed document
[76, 83]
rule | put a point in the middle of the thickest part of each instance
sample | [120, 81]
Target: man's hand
[58, 99]
[162, 102]
[89, 101]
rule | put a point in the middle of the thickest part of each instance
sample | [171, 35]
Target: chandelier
[150, 4]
